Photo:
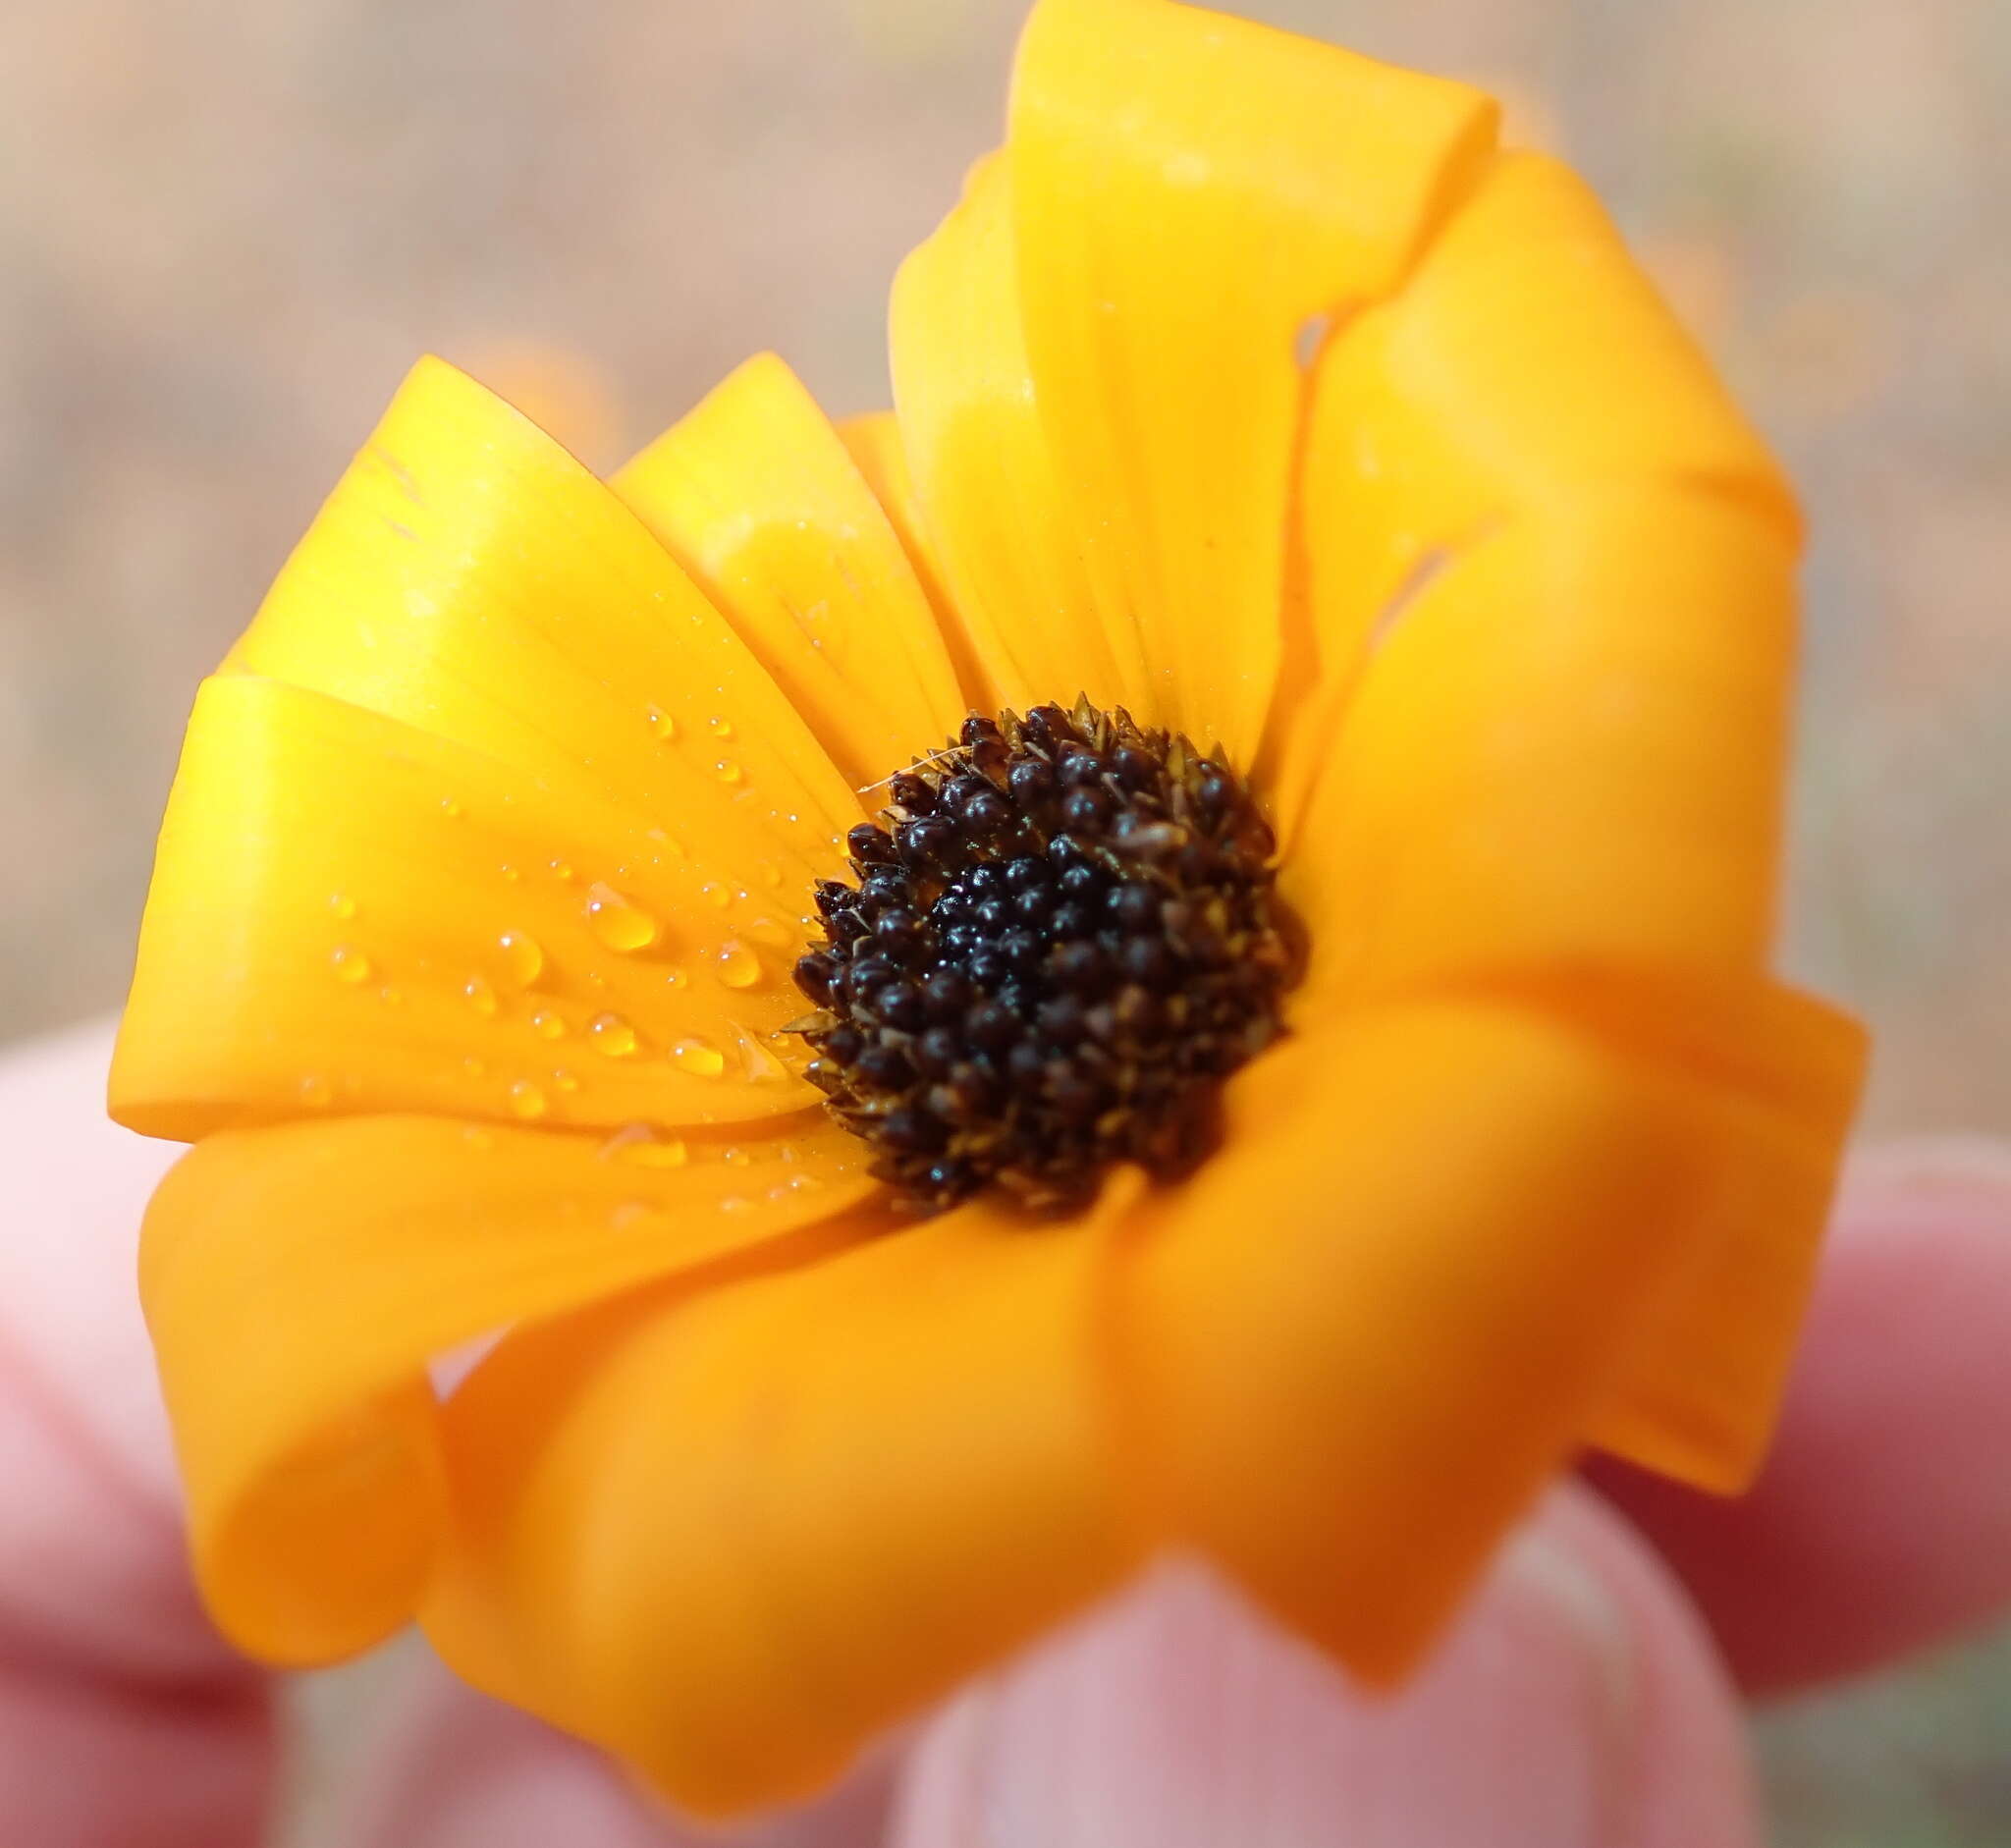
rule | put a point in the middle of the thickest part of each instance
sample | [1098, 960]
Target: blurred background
[225, 230]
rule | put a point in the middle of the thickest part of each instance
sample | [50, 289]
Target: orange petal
[873, 444]
[756, 497]
[1569, 750]
[1702, 1388]
[298, 1281]
[470, 577]
[1188, 192]
[746, 1535]
[1370, 1330]
[983, 475]
[350, 914]
[1527, 357]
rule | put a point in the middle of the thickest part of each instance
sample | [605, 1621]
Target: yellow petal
[470, 577]
[742, 1537]
[298, 1281]
[754, 494]
[1527, 357]
[874, 443]
[1189, 191]
[1569, 750]
[352, 915]
[1701, 1390]
[1372, 1327]
[990, 498]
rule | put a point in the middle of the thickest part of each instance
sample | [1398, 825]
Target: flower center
[1063, 940]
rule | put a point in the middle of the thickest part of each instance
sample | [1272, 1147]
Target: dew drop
[562, 871]
[700, 1059]
[736, 1157]
[510, 873]
[772, 877]
[391, 996]
[715, 895]
[451, 808]
[739, 966]
[662, 727]
[610, 1035]
[349, 964]
[728, 772]
[643, 1145]
[344, 906]
[565, 1081]
[620, 923]
[675, 979]
[527, 1100]
[772, 932]
[524, 957]
[317, 1091]
[548, 1026]
[480, 997]
[720, 727]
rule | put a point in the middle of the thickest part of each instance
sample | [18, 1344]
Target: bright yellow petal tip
[1250, 389]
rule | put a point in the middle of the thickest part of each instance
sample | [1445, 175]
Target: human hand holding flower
[1587, 1697]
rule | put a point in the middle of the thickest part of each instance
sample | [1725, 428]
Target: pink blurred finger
[1579, 1705]
[124, 1722]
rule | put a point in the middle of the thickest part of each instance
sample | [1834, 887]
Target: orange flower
[1250, 390]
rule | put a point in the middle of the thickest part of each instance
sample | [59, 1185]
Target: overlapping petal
[733, 1538]
[1189, 191]
[1416, 1276]
[350, 914]
[1569, 749]
[758, 497]
[298, 1280]
[470, 577]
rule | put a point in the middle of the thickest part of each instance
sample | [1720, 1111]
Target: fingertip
[1577, 1703]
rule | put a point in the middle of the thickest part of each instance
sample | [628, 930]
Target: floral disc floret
[1062, 940]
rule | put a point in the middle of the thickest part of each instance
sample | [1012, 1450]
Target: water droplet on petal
[548, 1026]
[527, 1100]
[620, 923]
[565, 1081]
[317, 1091]
[772, 876]
[480, 997]
[341, 905]
[451, 808]
[349, 964]
[563, 872]
[391, 996]
[728, 772]
[773, 932]
[610, 1035]
[510, 873]
[524, 957]
[739, 966]
[675, 979]
[641, 1144]
[719, 727]
[736, 1157]
[662, 725]
[700, 1059]
[715, 895]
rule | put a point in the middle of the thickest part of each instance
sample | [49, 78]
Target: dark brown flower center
[1063, 940]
